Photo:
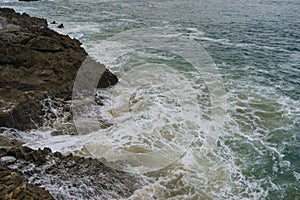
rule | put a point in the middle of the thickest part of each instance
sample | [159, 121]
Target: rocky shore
[66, 176]
[36, 64]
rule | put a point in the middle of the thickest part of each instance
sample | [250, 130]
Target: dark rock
[60, 26]
[81, 178]
[107, 79]
[12, 183]
[53, 22]
[35, 62]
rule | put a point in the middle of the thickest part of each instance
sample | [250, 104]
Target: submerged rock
[35, 62]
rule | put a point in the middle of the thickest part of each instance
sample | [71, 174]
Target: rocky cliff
[35, 62]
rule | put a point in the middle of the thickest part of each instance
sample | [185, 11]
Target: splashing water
[162, 102]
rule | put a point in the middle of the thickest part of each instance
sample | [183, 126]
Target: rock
[80, 178]
[12, 183]
[35, 63]
[60, 26]
[15, 186]
[53, 22]
[107, 79]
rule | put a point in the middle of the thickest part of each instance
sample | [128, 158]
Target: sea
[208, 100]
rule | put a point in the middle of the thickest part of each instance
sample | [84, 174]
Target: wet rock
[15, 186]
[56, 133]
[60, 26]
[78, 177]
[35, 62]
[107, 79]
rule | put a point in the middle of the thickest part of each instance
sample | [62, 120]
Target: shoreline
[38, 63]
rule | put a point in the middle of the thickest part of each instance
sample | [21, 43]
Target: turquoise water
[256, 49]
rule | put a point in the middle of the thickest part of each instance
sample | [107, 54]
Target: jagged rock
[14, 185]
[35, 62]
[80, 178]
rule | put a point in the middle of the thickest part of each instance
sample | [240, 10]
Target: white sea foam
[9, 1]
[195, 31]
[43, 138]
[150, 112]
[222, 40]
[210, 167]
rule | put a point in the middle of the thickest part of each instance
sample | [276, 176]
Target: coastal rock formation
[64, 176]
[12, 183]
[35, 63]
[15, 186]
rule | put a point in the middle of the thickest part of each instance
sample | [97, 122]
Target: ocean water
[207, 106]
